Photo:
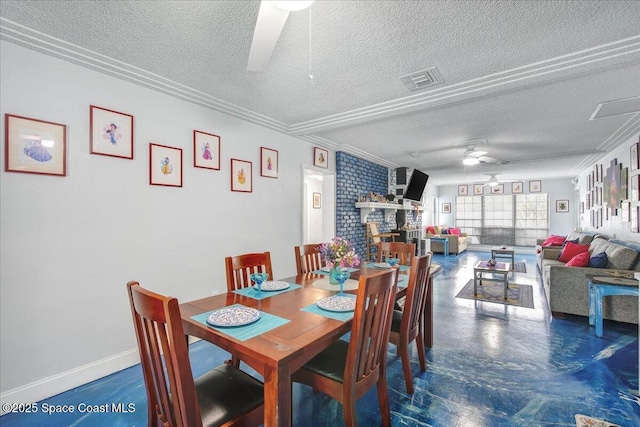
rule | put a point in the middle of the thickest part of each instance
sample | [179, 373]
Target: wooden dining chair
[239, 269]
[374, 237]
[405, 252]
[406, 325]
[345, 371]
[308, 258]
[224, 396]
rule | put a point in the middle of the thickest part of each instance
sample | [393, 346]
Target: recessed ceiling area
[525, 76]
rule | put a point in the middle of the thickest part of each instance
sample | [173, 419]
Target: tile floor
[491, 365]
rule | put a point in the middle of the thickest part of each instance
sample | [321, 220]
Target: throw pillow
[599, 261]
[455, 231]
[570, 250]
[580, 260]
[431, 230]
[437, 229]
[554, 240]
[572, 241]
[445, 231]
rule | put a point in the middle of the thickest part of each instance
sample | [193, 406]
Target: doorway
[318, 205]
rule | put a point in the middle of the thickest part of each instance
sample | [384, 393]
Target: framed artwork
[463, 190]
[588, 201]
[596, 173]
[320, 157]
[35, 146]
[635, 185]
[633, 156]
[633, 218]
[581, 207]
[589, 183]
[317, 197]
[241, 176]
[111, 132]
[562, 205]
[516, 187]
[165, 165]
[268, 162]
[446, 208]
[600, 173]
[624, 211]
[497, 189]
[624, 184]
[478, 189]
[206, 150]
[535, 186]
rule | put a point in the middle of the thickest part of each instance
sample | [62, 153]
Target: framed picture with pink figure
[206, 150]
[268, 162]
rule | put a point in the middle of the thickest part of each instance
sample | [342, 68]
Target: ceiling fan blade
[492, 160]
[476, 153]
[271, 20]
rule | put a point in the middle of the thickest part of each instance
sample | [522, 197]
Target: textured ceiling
[523, 75]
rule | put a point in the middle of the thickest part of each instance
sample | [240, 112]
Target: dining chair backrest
[239, 269]
[308, 258]
[367, 356]
[405, 252]
[345, 371]
[223, 396]
[171, 391]
[407, 325]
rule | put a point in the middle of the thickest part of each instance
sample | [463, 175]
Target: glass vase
[332, 275]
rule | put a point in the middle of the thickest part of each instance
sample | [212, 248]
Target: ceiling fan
[271, 19]
[473, 156]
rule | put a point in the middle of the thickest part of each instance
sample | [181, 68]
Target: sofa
[581, 237]
[567, 288]
[457, 244]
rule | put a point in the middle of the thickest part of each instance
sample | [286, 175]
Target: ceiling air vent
[422, 79]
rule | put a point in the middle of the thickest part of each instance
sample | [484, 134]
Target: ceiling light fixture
[470, 160]
[493, 181]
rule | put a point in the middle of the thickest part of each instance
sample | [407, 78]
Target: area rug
[519, 267]
[584, 421]
[519, 295]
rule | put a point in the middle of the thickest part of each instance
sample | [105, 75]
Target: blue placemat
[338, 315]
[326, 273]
[373, 265]
[266, 323]
[251, 292]
[403, 281]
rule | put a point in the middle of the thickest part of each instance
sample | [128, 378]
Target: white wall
[70, 244]
[614, 227]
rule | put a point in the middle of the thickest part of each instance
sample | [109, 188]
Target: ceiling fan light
[493, 183]
[292, 6]
[470, 160]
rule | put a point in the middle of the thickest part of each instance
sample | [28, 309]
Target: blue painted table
[601, 286]
[445, 244]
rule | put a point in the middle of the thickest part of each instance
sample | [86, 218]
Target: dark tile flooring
[491, 365]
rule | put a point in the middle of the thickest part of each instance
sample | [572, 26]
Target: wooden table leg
[428, 316]
[277, 397]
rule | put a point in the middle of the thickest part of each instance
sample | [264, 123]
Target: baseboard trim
[56, 384]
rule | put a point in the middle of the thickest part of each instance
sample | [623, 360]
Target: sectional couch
[567, 288]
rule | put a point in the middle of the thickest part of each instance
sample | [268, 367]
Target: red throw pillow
[572, 249]
[554, 240]
[454, 231]
[580, 260]
[431, 230]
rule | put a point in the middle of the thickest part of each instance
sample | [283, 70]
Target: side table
[445, 244]
[601, 286]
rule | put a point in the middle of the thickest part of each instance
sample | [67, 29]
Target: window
[518, 219]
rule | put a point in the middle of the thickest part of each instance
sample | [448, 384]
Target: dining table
[290, 331]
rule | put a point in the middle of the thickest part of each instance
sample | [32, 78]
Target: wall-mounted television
[416, 186]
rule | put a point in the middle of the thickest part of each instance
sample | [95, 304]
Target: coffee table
[500, 252]
[498, 273]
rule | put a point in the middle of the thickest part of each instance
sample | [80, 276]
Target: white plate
[233, 316]
[381, 265]
[273, 285]
[337, 303]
